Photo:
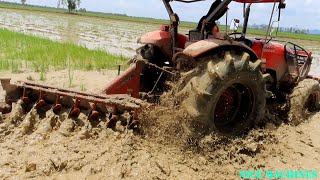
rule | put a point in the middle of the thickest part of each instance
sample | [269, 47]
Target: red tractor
[221, 79]
[226, 77]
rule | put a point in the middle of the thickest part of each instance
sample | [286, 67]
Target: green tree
[23, 2]
[71, 4]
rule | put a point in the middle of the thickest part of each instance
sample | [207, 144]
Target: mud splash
[54, 146]
[46, 146]
[42, 142]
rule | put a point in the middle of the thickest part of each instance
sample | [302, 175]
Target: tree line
[70, 4]
[281, 29]
[264, 27]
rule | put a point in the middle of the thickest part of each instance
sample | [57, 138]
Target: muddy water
[117, 37]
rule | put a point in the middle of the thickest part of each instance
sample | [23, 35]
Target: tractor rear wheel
[228, 97]
[305, 98]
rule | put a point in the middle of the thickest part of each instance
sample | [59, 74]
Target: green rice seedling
[82, 87]
[34, 51]
[88, 66]
[43, 76]
[30, 78]
[5, 65]
[43, 70]
[70, 73]
[14, 65]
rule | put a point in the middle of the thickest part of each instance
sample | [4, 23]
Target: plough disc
[39, 96]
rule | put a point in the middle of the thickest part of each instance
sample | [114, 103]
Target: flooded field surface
[116, 37]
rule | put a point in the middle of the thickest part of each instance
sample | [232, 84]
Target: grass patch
[285, 35]
[189, 25]
[18, 50]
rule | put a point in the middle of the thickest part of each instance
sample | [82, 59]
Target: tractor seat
[194, 35]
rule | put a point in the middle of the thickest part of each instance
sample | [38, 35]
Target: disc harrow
[34, 95]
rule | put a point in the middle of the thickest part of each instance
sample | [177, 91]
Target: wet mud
[47, 146]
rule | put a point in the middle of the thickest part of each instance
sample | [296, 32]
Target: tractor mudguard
[162, 39]
[201, 48]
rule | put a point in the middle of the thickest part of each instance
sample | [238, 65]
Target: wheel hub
[227, 102]
[235, 104]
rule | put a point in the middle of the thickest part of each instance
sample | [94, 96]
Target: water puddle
[117, 37]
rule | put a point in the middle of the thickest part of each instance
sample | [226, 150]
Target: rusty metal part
[5, 108]
[58, 106]
[75, 111]
[155, 84]
[120, 101]
[41, 101]
[112, 122]
[94, 114]
[94, 104]
[145, 61]
[127, 82]
[134, 124]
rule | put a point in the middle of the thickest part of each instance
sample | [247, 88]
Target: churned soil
[42, 145]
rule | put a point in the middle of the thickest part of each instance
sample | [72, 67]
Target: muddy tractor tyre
[229, 97]
[304, 98]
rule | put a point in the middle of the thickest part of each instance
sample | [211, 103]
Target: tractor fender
[202, 48]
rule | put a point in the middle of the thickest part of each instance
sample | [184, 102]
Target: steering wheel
[241, 39]
[235, 35]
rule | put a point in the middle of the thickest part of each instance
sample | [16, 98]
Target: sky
[304, 14]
